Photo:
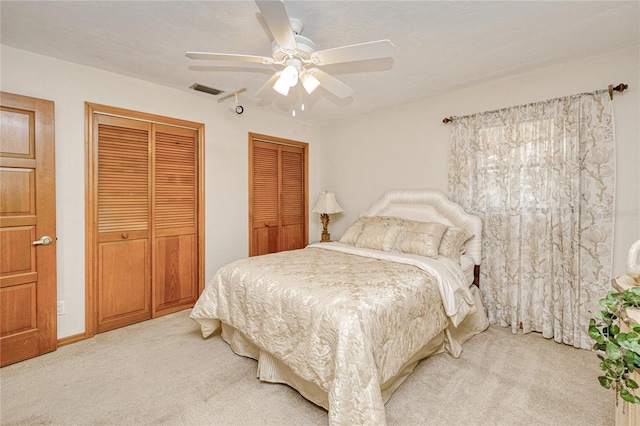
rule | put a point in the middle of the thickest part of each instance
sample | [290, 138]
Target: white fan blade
[331, 84]
[275, 15]
[229, 57]
[267, 88]
[354, 52]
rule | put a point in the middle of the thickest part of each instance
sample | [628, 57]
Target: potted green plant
[619, 352]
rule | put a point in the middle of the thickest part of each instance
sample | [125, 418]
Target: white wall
[407, 146]
[226, 178]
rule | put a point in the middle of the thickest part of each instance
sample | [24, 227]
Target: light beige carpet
[162, 372]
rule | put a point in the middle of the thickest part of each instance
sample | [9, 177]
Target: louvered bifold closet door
[264, 203]
[292, 198]
[175, 210]
[123, 216]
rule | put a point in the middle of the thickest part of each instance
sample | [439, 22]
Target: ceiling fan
[298, 55]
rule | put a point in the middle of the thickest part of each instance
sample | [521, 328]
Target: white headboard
[429, 205]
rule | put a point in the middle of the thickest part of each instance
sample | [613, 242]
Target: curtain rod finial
[619, 88]
[447, 120]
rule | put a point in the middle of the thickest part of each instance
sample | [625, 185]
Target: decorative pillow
[388, 220]
[351, 234]
[422, 238]
[379, 236]
[453, 243]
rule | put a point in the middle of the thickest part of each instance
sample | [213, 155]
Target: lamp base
[324, 218]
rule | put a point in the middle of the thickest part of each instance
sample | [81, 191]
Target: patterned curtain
[542, 178]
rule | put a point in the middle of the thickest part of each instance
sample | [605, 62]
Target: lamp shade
[309, 82]
[282, 86]
[288, 77]
[327, 204]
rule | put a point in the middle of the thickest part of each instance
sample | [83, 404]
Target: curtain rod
[619, 88]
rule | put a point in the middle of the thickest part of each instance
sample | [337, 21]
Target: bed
[345, 323]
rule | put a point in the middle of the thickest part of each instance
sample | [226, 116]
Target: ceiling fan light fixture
[288, 77]
[282, 86]
[309, 82]
[292, 72]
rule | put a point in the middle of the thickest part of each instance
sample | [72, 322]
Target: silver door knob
[45, 240]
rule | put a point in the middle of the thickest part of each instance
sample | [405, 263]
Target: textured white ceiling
[440, 45]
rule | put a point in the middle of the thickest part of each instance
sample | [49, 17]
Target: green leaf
[632, 384]
[633, 358]
[629, 397]
[632, 301]
[599, 347]
[614, 330]
[595, 334]
[604, 382]
[625, 394]
[613, 350]
[626, 343]
[609, 303]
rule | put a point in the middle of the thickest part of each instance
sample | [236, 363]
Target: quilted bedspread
[344, 318]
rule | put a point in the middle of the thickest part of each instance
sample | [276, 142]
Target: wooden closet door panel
[123, 216]
[175, 282]
[175, 179]
[123, 175]
[124, 283]
[264, 204]
[175, 209]
[265, 240]
[292, 198]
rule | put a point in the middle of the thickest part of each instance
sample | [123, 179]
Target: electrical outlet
[61, 307]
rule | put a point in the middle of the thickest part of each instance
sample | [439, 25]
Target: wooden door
[292, 198]
[123, 188]
[277, 195]
[265, 205]
[175, 218]
[145, 216]
[27, 216]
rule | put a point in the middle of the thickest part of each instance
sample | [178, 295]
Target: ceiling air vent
[205, 89]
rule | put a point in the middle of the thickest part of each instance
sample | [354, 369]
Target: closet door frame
[256, 137]
[91, 200]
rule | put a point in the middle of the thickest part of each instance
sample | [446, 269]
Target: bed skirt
[271, 369]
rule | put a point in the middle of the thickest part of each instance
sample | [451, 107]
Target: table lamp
[326, 205]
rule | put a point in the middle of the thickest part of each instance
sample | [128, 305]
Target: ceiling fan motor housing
[305, 47]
